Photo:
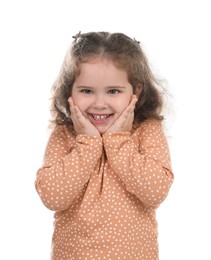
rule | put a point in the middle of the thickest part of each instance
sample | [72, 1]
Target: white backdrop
[34, 36]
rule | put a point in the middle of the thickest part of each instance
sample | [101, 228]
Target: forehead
[103, 69]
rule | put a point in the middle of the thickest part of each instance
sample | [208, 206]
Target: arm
[143, 164]
[68, 164]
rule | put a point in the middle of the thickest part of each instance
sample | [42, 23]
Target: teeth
[100, 117]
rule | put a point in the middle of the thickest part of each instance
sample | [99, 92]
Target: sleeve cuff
[115, 139]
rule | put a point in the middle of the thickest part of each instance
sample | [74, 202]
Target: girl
[107, 166]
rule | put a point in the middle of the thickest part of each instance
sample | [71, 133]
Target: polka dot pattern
[105, 192]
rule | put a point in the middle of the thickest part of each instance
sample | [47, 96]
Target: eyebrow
[116, 86]
[108, 87]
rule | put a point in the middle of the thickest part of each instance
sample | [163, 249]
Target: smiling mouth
[98, 117]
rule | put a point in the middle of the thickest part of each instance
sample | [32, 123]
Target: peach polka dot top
[105, 191]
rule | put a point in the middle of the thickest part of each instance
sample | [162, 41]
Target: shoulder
[62, 132]
[150, 125]
[151, 130]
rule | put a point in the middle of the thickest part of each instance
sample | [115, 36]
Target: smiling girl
[107, 165]
[101, 93]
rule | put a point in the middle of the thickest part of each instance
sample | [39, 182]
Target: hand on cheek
[81, 124]
[125, 121]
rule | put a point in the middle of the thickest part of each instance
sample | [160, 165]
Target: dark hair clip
[136, 40]
[77, 36]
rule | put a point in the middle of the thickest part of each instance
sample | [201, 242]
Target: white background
[34, 36]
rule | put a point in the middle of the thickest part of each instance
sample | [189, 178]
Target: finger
[77, 112]
[70, 100]
[134, 100]
[131, 106]
[74, 111]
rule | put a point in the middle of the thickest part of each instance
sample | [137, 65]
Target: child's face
[101, 92]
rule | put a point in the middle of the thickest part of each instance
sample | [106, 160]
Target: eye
[113, 91]
[87, 91]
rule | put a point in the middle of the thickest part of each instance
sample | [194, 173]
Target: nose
[100, 102]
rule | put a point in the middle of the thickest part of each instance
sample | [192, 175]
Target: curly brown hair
[125, 53]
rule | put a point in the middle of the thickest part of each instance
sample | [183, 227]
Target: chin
[102, 131]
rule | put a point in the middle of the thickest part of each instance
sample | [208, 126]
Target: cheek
[123, 103]
[80, 102]
[76, 98]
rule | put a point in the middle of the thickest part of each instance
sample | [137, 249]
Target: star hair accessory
[77, 36]
[136, 40]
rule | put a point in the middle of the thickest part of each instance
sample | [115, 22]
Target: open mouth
[100, 118]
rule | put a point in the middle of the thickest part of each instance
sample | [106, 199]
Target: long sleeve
[141, 161]
[68, 164]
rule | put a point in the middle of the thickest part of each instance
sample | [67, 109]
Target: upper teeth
[100, 117]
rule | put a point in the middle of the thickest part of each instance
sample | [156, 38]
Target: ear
[137, 90]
